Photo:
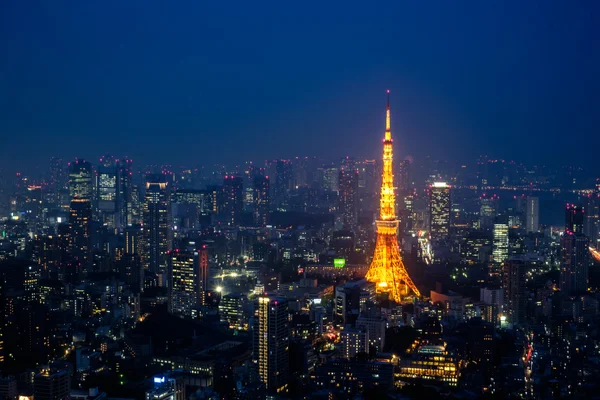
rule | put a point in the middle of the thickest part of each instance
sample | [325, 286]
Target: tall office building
[137, 205]
[575, 253]
[283, 182]
[404, 186]
[157, 229]
[125, 196]
[79, 241]
[271, 342]
[185, 282]
[439, 211]
[188, 205]
[500, 250]
[515, 296]
[81, 183]
[488, 211]
[367, 176]
[348, 196]
[533, 214]
[56, 180]
[301, 172]
[233, 199]
[331, 179]
[262, 201]
[231, 311]
[107, 192]
[130, 265]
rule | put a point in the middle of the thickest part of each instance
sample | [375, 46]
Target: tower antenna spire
[388, 125]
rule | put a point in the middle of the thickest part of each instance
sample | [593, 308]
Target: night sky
[196, 82]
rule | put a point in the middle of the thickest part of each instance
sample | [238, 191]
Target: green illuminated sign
[339, 262]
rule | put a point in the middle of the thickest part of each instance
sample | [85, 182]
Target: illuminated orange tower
[387, 269]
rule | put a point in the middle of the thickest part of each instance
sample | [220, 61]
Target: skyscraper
[331, 179]
[271, 342]
[185, 282]
[80, 179]
[574, 218]
[439, 211]
[262, 201]
[157, 230]
[130, 265]
[515, 299]
[387, 269]
[592, 220]
[300, 170]
[533, 214]
[575, 253]
[283, 183]
[80, 220]
[348, 196]
[233, 199]
[500, 250]
[125, 197]
[488, 211]
[56, 180]
[107, 192]
[404, 185]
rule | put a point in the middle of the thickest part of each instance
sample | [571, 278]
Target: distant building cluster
[334, 280]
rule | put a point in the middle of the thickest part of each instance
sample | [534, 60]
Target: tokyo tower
[387, 269]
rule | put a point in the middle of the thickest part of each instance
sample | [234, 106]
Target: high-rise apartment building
[79, 242]
[348, 196]
[157, 229]
[233, 199]
[575, 253]
[515, 296]
[532, 216]
[262, 200]
[283, 182]
[592, 220]
[271, 342]
[439, 211]
[404, 185]
[185, 282]
[354, 341]
[56, 180]
[575, 263]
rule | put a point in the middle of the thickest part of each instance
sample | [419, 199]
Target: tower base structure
[387, 270]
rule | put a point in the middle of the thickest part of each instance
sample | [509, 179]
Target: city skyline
[464, 88]
[212, 200]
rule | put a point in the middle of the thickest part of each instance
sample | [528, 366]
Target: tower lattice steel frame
[387, 269]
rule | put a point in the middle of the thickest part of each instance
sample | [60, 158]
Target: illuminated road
[595, 253]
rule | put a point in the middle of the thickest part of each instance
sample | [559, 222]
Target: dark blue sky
[196, 82]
